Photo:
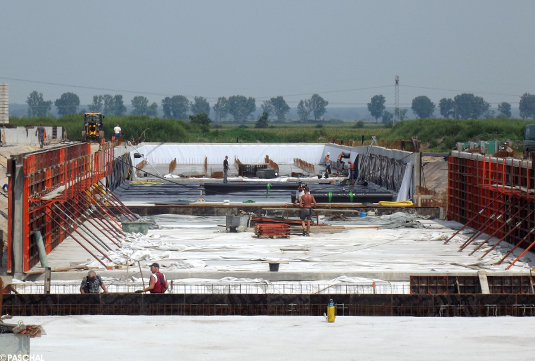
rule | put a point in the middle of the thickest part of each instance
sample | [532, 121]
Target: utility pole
[396, 107]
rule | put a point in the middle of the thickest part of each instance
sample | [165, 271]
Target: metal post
[48, 276]
[17, 217]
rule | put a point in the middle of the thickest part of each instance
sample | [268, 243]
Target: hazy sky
[346, 51]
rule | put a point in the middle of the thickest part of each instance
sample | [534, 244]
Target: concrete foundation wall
[21, 135]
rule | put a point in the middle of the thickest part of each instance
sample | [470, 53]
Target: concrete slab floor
[198, 248]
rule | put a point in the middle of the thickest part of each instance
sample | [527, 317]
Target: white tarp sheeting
[246, 153]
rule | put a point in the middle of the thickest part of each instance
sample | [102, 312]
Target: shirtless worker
[340, 163]
[306, 212]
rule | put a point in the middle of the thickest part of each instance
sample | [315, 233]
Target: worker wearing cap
[327, 164]
[158, 283]
[92, 284]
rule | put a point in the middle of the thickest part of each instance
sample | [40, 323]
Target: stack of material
[272, 230]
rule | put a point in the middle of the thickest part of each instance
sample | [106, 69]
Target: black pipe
[242, 186]
[346, 197]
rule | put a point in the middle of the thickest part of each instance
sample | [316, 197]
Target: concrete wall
[21, 135]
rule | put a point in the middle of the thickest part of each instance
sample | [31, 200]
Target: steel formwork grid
[494, 195]
[53, 177]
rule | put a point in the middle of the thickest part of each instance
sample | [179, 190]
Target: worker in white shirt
[117, 132]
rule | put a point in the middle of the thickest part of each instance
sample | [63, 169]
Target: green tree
[318, 106]
[113, 105]
[152, 110]
[140, 105]
[377, 106]
[67, 104]
[423, 107]
[504, 109]
[200, 105]
[221, 109]
[241, 107]
[447, 107]
[96, 106]
[175, 107]
[37, 106]
[387, 117]
[262, 121]
[202, 121]
[304, 110]
[267, 107]
[470, 106]
[400, 114]
[280, 107]
[527, 106]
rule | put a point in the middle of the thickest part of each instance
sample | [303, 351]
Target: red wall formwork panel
[492, 194]
[51, 177]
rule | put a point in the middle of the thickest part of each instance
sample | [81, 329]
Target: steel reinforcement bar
[468, 305]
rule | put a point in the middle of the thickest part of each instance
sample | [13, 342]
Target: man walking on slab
[306, 212]
[225, 169]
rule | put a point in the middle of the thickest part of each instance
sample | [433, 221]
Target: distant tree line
[241, 108]
[462, 106]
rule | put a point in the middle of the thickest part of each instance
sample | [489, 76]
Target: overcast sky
[346, 51]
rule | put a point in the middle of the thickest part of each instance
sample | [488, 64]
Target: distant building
[4, 103]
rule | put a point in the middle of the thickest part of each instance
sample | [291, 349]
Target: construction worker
[117, 132]
[41, 135]
[299, 193]
[327, 165]
[306, 212]
[225, 169]
[340, 163]
[158, 283]
[92, 284]
[351, 172]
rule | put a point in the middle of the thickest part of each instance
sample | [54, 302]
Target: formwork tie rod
[85, 215]
[509, 220]
[81, 235]
[74, 220]
[508, 233]
[80, 243]
[526, 250]
[473, 218]
[484, 227]
[101, 217]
